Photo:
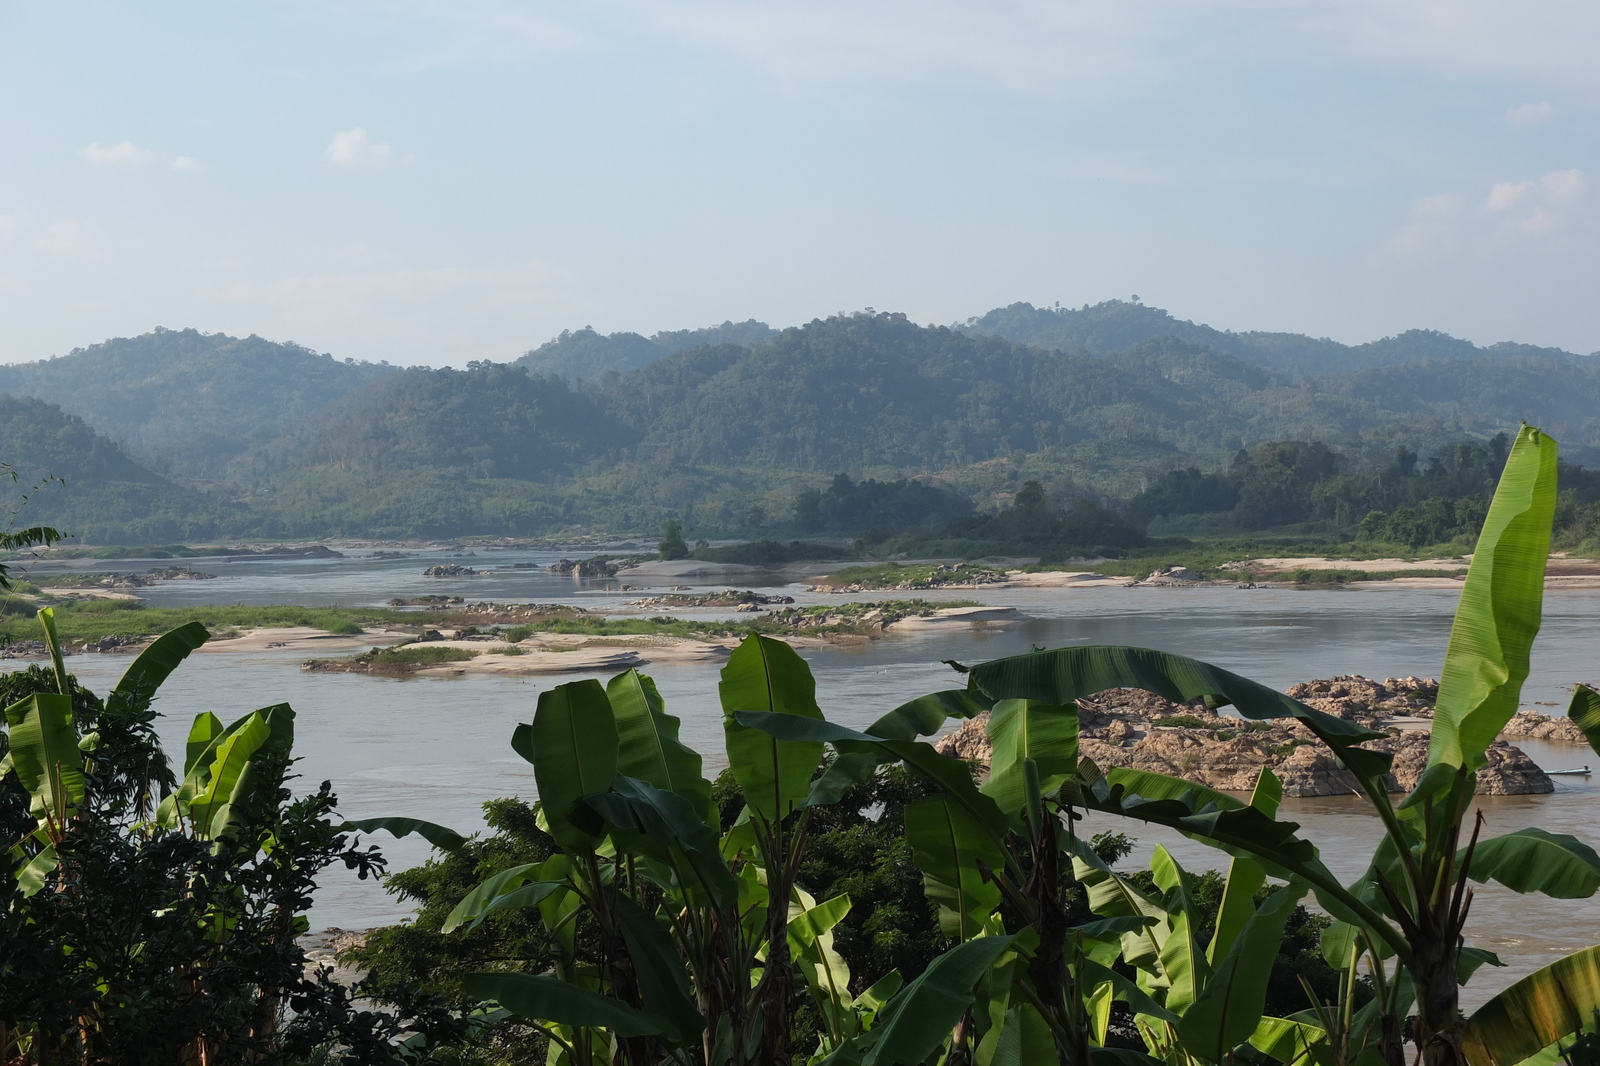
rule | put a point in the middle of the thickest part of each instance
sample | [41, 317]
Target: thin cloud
[124, 154]
[68, 237]
[186, 162]
[1432, 228]
[1525, 115]
[1505, 195]
[354, 148]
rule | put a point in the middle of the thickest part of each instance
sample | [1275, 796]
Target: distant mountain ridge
[585, 355]
[1114, 325]
[179, 430]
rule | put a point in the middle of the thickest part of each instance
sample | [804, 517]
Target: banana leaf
[1584, 710]
[153, 666]
[1549, 1004]
[1223, 822]
[648, 747]
[1292, 1042]
[1486, 660]
[203, 734]
[441, 837]
[656, 821]
[659, 969]
[45, 757]
[546, 999]
[1228, 1009]
[948, 846]
[764, 674]
[572, 745]
[919, 1019]
[476, 902]
[1245, 875]
[1024, 731]
[1533, 860]
[1065, 674]
[1024, 1040]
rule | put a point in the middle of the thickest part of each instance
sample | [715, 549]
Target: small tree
[672, 545]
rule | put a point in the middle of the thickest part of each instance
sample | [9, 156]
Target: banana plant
[1409, 909]
[677, 940]
[55, 761]
[1212, 994]
[691, 938]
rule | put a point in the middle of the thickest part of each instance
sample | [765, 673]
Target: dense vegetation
[584, 355]
[836, 897]
[740, 430]
[188, 403]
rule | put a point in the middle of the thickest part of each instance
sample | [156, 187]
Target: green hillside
[585, 355]
[84, 484]
[187, 403]
[731, 437]
[1116, 324]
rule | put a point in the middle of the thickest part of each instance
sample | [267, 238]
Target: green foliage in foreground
[150, 909]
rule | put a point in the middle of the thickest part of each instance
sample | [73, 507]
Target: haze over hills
[187, 402]
[724, 426]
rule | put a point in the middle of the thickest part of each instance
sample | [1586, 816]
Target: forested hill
[727, 433]
[185, 402]
[85, 484]
[589, 356]
[1116, 324]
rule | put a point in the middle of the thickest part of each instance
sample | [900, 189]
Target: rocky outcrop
[451, 570]
[1538, 726]
[1142, 731]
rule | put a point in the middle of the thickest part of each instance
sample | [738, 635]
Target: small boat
[1575, 770]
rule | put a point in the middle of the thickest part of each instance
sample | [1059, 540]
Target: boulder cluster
[1141, 730]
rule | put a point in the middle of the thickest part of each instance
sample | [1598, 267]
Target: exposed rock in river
[1143, 731]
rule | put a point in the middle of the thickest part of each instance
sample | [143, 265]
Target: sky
[423, 181]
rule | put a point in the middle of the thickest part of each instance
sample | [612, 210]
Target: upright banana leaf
[1024, 731]
[919, 1019]
[1486, 661]
[572, 745]
[245, 761]
[951, 848]
[648, 747]
[203, 734]
[1227, 1011]
[1245, 875]
[45, 757]
[1549, 1004]
[47, 619]
[764, 674]
[1183, 963]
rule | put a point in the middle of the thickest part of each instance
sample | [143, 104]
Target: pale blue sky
[432, 182]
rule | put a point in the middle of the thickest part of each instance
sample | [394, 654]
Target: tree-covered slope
[585, 355]
[85, 484]
[186, 402]
[1116, 324]
[490, 420]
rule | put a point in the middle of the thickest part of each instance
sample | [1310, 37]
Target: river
[438, 748]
